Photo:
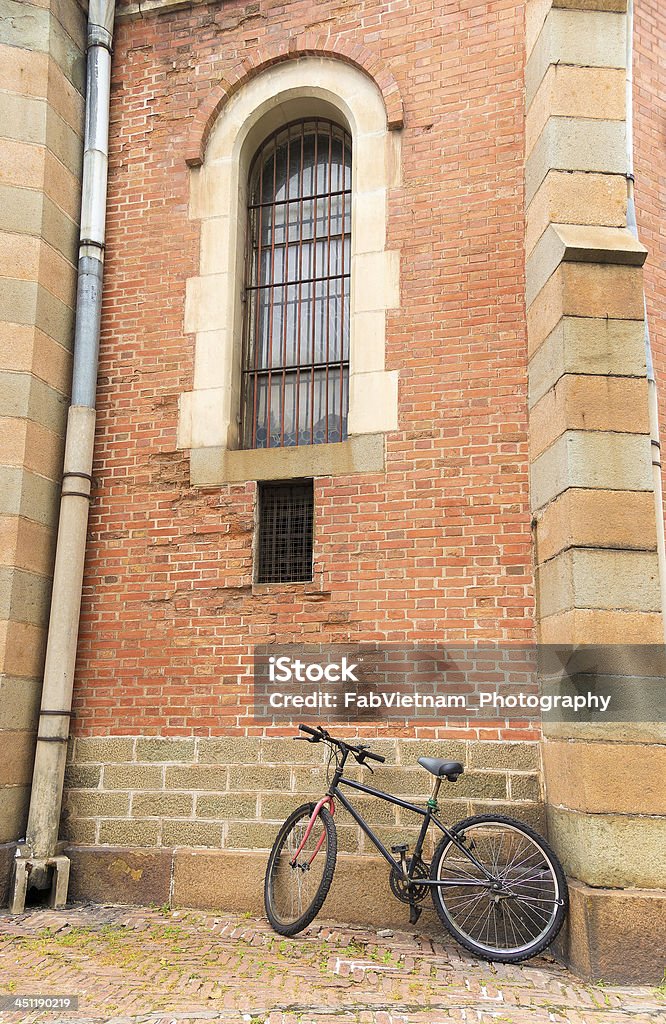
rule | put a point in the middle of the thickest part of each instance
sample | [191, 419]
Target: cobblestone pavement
[146, 966]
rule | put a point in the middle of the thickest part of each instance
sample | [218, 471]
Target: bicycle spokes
[297, 875]
[514, 908]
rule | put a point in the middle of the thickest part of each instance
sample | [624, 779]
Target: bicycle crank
[400, 888]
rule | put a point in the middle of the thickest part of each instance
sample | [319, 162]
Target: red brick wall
[438, 548]
[650, 172]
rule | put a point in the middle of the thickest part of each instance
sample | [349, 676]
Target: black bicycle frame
[428, 817]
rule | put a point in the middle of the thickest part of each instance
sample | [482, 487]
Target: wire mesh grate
[286, 514]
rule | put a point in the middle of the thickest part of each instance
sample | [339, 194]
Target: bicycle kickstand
[414, 912]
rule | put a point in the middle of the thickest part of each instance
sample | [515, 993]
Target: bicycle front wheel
[296, 886]
[517, 914]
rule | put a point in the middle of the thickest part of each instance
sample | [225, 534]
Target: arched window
[295, 369]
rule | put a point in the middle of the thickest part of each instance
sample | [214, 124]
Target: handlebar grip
[368, 754]
[310, 730]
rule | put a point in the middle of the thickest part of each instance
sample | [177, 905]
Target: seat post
[432, 802]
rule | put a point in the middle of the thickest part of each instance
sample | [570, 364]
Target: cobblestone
[150, 966]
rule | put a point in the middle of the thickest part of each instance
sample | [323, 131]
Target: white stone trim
[214, 307]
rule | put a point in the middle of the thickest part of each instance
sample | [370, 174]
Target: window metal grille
[286, 513]
[296, 348]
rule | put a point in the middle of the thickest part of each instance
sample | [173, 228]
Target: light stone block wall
[42, 71]
[591, 461]
[589, 426]
[232, 793]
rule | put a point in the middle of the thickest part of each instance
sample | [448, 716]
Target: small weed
[353, 948]
[553, 1009]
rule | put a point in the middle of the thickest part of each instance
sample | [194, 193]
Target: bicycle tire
[287, 915]
[532, 914]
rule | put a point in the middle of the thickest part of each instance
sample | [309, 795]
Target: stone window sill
[210, 467]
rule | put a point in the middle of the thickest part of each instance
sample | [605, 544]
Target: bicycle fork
[320, 842]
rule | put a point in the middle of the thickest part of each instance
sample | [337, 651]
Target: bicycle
[496, 885]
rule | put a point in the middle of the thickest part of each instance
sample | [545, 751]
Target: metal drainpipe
[632, 225]
[41, 846]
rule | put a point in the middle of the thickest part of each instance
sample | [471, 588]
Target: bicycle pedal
[414, 913]
[400, 848]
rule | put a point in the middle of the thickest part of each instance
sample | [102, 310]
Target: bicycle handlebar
[360, 752]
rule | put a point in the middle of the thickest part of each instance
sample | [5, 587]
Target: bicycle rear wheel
[295, 889]
[519, 916]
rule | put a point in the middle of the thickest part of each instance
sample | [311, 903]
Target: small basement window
[285, 530]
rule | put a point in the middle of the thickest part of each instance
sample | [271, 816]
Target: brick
[238, 749]
[597, 459]
[586, 777]
[257, 777]
[78, 776]
[580, 290]
[135, 832]
[594, 578]
[584, 38]
[130, 876]
[165, 750]
[569, 91]
[82, 831]
[525, 787]
[14, 803]
[197, 686]
[131, 776]
[613, 850]
[106, 750]
[289, 752]
[250, 835]
[532, 814]
[567, 197]
[480, 785]
[514, 756]
[191, 833]
[589, 403]
[196, 777]
[86, 804]
[229, 805]
[599, 626]
[597, 518]
[587, 345]
[168, 805]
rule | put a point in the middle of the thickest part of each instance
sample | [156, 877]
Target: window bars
[295, 388]
[285, 528]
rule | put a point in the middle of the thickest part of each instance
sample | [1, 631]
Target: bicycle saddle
[442, 769]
